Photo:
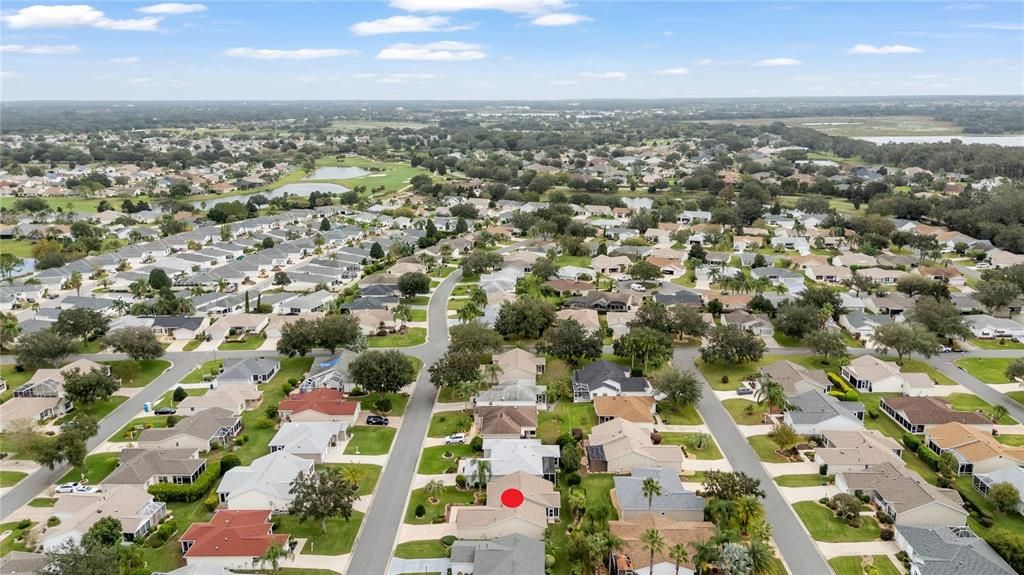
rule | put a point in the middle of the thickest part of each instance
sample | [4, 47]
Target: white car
[68, 487]
[87, 489]
[455, 439]
[638, 287]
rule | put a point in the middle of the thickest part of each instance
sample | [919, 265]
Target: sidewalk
[831, 550]
[409, 532]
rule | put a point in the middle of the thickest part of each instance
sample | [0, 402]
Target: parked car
[638, 287]
[455, 438]
[68, 487]
[165, 411]
[87, 489]
[945, 348]
[376, 420]
[744, 390]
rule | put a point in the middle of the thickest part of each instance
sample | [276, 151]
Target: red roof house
[324, 404]
[232, 539]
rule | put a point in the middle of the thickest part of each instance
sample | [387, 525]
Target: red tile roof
[326, 401]
[233, 534]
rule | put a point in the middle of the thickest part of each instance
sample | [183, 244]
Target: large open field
[858, 127]
[394, 175]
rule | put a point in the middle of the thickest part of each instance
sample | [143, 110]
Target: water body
[298, 189]
[1014, 140]
[337, 173]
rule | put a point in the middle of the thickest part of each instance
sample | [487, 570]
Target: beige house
[636, 409]
[210, 427]
[868, 373]
[617, 446]
[132, 505]
[373, 321]
[588, 318]
[541, 505]
[233, 398]
[506, 422]
[976, 451]
[856, 450]
[518, 365]
[610, 264]
[907, 498]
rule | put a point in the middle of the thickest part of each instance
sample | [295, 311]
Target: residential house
[42, 396]
[862, 326]
[234, 398]
[892, 305]
[794, 378]
[637, 409]
[618, 322]
[513, 394]
[202, 431]
[674, 501]
[603, 377]
[976, 451]
[375, 321]
[918, 414]
[518, 365]
[309, 439]
[179, 328]
[540, 507]
[1014, 475]
[868, 373]
[145, 467]
[815, 412]
[856, 450]
[263, 484]
[940, 549]
[635, 559]
[513, 554]
[779, 276]
[987, 327]
[828, 274]
[949, 275]
[904, 496]
[132, 505]
[618, 446]
[508, 456]
[853, 259]
[247, 371]
[608, 265]
[587, 318]
[754, 323]
[231, 539]
[602, 301]
[324, 404]
[236, 325]
[882, 276]
[506, 422]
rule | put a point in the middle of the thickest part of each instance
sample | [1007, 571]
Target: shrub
[888, 534]
[383, 405]
[549, 561]
[271, 411]
[725, 379]
[420, 510]
[986, 522]
[477, 443]
[873, 413]
[573, 479]
[287, 388]
[883, 517]
[577, 434]
[174, 493]
[229, 461]
[357, 391]
[212, 501]
[749, 410]
[854, 521]
[823, 469]
[852, 395]
[929, 457]
[943, 481]
[156, 540]
[448, 540]
[911, 441]
[825, 501]
[293, 381]
[839, 384]
[173, 420]
[179, 394]
[656, 438]
[53, 521]
[24, 524]
[460, 481]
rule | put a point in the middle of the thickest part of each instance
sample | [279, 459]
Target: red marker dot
[512, 498]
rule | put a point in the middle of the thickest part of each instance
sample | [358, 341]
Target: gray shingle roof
[952, 551]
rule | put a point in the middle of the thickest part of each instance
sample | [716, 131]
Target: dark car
[165, 411]
[376, 420]
[744, 390]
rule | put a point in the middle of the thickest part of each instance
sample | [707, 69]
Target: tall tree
[138, 343]
[43, 348]
[732, 345]
[75, 282]
[680, 387]
[905, 339]
[382, 371]
[644, 344]
[80, 322]
[568, 340]
[996, 294]
[827, 343]
[88, 387]
[940, 316]
[322, 495]
[650, 487]
[652, 541]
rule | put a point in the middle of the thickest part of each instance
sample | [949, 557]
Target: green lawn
[130, 432]
[445, 423]
[598, 487]
[737, 408]
[986, 369]
[579, 261]
[443, 272]
[90, 347]
[14, 379]
[337, 541]
[918, 366]
[555, 370]
[787, 341]
[765, 448]
[250, 343]
[370, 440]
[688, 442]
[674, 414]
[971, 402]
[167, 399]
[98, 409]
[802, 480]
[824, 526]
[1012, 522]
[451, 495]
[563, 418]
[854, 565]
[138, 373]
[883, 423]
[1014, 440]
[97, 467]
[457, 304]
[418, 300]
[433, 462]
[11, 478]
[367, 474]
[418, 315]
[192, 345]
[256, 426]
[17, 248]
[42, 502]
[167, 557]
[736, 373]
[13, 542]
[1017, 396]
[398, 402]
[996, 344]
[412, 336]
[424, 549]
[391, 176]
[210, 368]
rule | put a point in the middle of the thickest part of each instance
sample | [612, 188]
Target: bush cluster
[171, 492]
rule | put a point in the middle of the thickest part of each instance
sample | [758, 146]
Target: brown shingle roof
[932, 411]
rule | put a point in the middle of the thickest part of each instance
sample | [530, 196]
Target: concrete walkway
[409, 532]
[831, 550]
[400, 566]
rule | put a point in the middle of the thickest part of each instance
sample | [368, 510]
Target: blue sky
[507, 49]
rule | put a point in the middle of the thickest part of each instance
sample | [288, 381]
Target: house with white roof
[264, 484]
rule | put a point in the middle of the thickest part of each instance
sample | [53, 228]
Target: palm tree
[138, 288]
[678, 554]
[464, 390]
[596, 547]
[493, 371]
[998, 412]
[704, 557]
[273, 555]
[351, 474]
[652, 541]
[433, 488]
[222, 284]
[482, 472]
[722, 512]
[772, 393]
[762, 558]
[478, 296]
[749, 510]
[578, 503]
[468, 312]
[762, 531]
[402, 313]
[75, 282]
[650, 488]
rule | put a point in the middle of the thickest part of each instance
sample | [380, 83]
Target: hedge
[911, 442]
[174, 493]
[838, 382]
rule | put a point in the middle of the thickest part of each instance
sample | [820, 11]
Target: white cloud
[76, 16]
[365, 75]
[300, 54]
[672, 72]
[778, 62]
[172, 8]
[891, 49]
[1012, 26]
[446, 51]
[39, 49]
[964, 7]
[413, 76]
[405, 24]
[604, 75]
[713, 62]
[510, 6]
[125, 60]
[564, 83]
[560, 19]
[9, 75]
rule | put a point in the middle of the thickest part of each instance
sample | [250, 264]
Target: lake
[298, 189]
[1013, 140]
[337, 173]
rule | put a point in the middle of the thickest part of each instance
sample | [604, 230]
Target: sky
[507, 49]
